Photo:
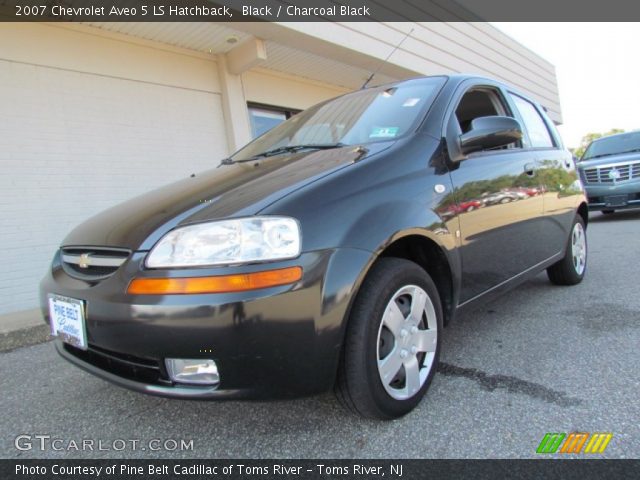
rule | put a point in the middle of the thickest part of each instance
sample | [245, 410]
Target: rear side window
[539, 136]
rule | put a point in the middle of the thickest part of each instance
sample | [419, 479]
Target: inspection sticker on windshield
[384, 132]
[411, 102]
[67, 320]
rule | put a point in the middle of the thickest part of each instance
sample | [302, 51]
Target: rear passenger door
[556, 173]
[500, 237]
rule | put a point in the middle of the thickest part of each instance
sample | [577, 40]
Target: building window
[265, 117]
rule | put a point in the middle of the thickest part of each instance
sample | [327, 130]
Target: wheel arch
[431, 257]
[418, 247]
[583, 211]
[427, 253]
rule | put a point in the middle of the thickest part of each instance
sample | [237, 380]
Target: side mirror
[490, 132]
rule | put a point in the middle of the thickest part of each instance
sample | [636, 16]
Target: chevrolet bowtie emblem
[85, 261]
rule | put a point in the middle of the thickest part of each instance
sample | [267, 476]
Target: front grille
[92, 263]
[138, 369]
[604, 175]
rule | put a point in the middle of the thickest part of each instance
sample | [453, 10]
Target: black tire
[564, 272]
[608, 211]
[358, 386]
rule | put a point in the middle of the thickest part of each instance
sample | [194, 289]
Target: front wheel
[392, 341]
[571, 269]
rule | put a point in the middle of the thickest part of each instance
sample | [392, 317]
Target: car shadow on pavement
[618, 216]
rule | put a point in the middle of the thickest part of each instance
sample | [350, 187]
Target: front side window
[539, 136]
[481, 102]
[478, 102]
[371, 115]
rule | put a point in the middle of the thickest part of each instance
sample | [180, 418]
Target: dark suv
[330, 251]
[610, 171]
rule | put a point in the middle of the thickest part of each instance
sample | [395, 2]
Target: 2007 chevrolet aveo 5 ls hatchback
[329, 252]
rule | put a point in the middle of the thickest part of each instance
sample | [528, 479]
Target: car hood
[235, 190]
[621, 158]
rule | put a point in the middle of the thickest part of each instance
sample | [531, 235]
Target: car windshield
[371, 115]
[628, 142]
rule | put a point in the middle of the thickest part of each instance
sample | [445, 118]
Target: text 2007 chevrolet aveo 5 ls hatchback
[328, 252]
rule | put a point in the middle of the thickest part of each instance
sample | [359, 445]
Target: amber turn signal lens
[220, 284]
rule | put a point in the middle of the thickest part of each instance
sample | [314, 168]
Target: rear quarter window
[539, 136]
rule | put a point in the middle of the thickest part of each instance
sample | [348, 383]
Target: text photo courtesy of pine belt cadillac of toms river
[328, 253]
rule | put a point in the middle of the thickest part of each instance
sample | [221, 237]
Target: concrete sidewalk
[21, 329]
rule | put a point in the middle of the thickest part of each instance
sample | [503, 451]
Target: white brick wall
[73, 144]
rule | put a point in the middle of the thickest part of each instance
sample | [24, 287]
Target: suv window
[623, 143]
[539, 136]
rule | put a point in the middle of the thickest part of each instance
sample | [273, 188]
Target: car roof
[455, 77]
[621, 134]
[458, 78]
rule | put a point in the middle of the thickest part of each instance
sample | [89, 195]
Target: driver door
[499, 222]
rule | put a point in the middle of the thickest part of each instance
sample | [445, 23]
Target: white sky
[598, 71]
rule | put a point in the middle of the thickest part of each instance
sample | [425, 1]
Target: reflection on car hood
[235, 190]
[619, 158]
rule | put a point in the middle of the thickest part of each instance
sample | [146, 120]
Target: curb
[24, 337]
[22, 329]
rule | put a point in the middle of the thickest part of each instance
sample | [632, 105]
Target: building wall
[87, 122]
[433, 48]
[282, 90]
[90, 119]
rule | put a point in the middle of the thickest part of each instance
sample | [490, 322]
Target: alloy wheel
[579, 248]
[406, 343]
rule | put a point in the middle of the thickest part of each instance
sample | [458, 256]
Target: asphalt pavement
[540, 359]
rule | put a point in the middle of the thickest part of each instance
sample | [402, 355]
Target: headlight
[243, 240]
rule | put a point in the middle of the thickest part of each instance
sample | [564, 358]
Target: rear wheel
[392, 341]
[571, 269]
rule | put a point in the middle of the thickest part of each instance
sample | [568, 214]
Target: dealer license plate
[67, 320]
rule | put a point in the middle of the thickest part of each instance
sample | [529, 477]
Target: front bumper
[164, 390]
[600, 196]
[269, 343]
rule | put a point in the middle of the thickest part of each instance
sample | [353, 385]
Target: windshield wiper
[599, 156]
[294, 148]
[285, 149]
[614, 153]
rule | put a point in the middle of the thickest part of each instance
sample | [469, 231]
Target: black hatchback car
[330, 251]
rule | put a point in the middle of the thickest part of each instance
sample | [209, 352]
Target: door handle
[530, 168]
